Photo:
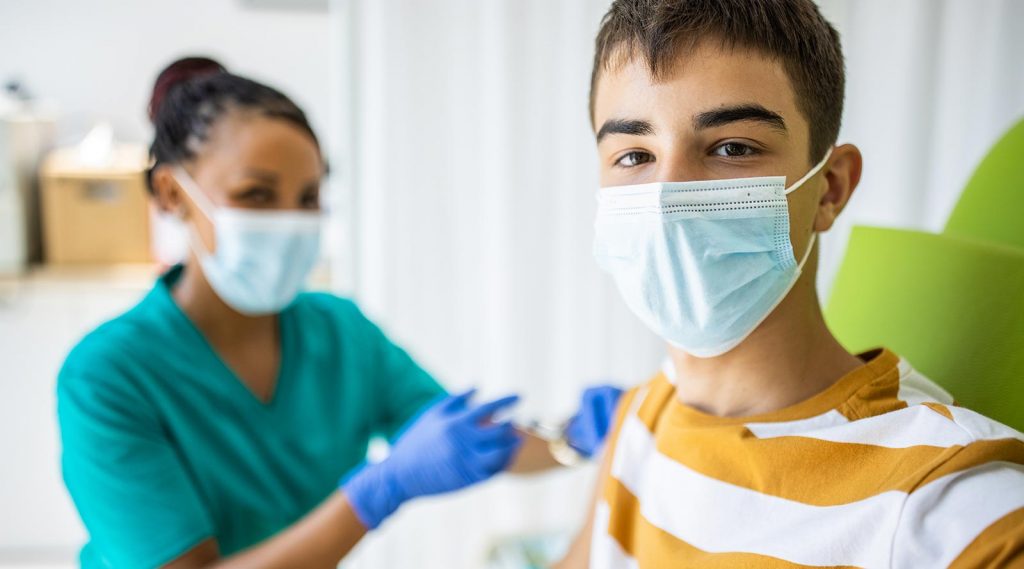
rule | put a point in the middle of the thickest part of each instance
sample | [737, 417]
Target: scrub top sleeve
[402, 388]
[408, 390]
[133, 494]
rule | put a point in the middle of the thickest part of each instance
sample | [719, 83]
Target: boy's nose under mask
[701, 263]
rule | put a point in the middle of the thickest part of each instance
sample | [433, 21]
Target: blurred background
[461, 197]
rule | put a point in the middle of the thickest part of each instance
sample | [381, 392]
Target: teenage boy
[763, 442]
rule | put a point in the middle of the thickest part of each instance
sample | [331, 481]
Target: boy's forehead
[703, 79]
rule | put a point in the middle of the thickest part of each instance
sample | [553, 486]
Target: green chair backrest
[951, 303]
[991, 207]
[953, 307]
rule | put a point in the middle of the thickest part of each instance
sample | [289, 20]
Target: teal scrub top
[163, 446]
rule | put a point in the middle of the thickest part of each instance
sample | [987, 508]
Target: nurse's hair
[192, 93]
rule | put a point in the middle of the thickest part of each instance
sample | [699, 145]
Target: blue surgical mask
[701, 263]
[260, 259]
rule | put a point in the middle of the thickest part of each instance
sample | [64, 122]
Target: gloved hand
[587, 429]
[451, 445]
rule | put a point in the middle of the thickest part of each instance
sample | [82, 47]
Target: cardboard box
[96, 214]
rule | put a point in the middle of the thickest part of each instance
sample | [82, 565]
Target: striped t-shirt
[879, 470]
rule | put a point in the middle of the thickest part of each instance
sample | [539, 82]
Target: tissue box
[95, 213]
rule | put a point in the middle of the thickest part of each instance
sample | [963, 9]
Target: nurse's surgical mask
[260, 259]
[701, 263]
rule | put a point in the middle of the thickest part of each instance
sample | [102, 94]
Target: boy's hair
[790, 31]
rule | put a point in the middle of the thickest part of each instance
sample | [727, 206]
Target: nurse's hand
[451, 445]
[587, 429]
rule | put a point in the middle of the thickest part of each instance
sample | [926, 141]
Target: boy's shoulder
[648, 400]
[907, 409]
[929, 483]
[892, 405]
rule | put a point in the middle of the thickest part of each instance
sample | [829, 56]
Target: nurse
[224, 420]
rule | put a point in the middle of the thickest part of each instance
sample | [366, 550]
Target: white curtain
[464, 184]
[472, 173]
[931, 85]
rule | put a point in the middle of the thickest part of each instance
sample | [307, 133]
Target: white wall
[97, 59]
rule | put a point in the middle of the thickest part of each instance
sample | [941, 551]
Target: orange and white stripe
[880, 470]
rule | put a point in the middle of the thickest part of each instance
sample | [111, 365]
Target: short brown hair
[792, 31]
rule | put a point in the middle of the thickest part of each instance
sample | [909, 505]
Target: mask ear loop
[807, 253]
[810, 174]
[193, 192]
[204, 204]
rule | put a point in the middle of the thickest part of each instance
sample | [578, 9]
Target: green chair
[951, 303]
[992, 206]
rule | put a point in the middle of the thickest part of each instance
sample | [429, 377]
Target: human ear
[842, 174]
[167, 193]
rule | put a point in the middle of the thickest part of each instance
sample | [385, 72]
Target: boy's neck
[790, 357]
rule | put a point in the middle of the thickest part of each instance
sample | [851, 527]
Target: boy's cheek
[804, 217]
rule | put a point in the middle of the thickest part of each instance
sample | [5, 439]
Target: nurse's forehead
[704, 80]
[241, 141]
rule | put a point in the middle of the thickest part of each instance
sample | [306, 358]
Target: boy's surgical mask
[701, 263]
[261, 259]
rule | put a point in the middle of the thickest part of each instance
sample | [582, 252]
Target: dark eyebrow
[622, 126]
[750, 112]
[264, 175]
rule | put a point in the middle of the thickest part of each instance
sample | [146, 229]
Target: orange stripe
[659, 393]
[654, 548]
[940, 409]
[624, 511]
[976, 454]
[878, 396]
[621, 408]
[1000, 545]
[829, 473]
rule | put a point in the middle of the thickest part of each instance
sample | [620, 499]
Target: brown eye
[311, 200]
[634, 158]
[257, 196]
[733, 150]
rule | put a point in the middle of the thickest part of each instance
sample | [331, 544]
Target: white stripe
[638, 452]
[942, 518]
[831, 418]
[668, 367]
[916, 388]
[981, 427]
[718, 517]
[908, 427]
[634, 447]
[605, 551]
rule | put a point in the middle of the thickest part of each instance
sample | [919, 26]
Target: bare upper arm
[578, 556]
[533, 456]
